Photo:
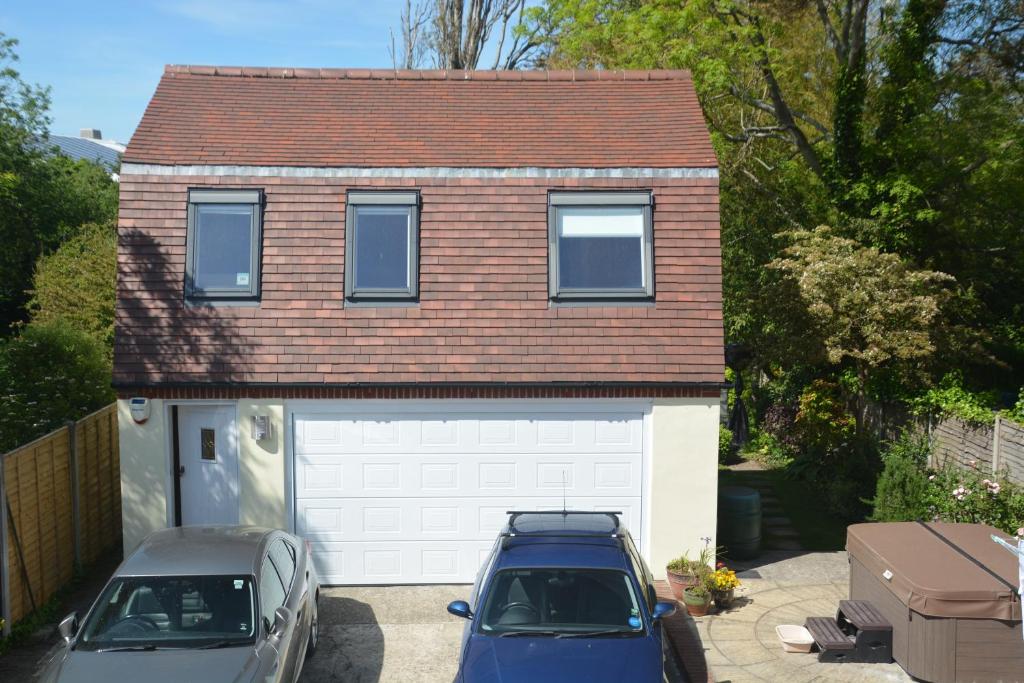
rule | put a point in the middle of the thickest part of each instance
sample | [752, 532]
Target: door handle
[181, 470]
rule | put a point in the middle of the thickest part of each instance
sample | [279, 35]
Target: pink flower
[973, 463]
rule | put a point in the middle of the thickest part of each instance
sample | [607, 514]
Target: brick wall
[483, 314]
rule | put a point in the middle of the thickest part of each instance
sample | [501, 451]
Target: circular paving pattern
[741, 644]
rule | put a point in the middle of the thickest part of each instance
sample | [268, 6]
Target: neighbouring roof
[202, 115]
[104, 152]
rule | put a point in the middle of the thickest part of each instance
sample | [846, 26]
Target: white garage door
[407, 494]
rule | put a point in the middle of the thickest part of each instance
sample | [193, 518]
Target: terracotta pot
[723, 599]
[696, 605]
[679, 583]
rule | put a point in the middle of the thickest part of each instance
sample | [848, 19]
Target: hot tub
[950, 593]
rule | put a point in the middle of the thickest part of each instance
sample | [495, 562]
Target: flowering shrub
[957, 495]
[907, 490]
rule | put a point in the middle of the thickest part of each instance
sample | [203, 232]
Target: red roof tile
[377, 117]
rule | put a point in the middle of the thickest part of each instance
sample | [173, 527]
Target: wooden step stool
[872, 633]
[833, 645]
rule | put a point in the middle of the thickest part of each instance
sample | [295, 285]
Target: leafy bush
[724, 443]
[951, 399]
[779, 420]
[903, 485]
[768, 451]
[1016, 413]
[49, 374]
[908, 491]
[823, 423]
[75, 284]
[956, 495]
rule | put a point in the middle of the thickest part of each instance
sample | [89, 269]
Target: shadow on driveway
[351, 642]
[386, 633]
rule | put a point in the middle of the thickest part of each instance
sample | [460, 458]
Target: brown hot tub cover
[931, 577]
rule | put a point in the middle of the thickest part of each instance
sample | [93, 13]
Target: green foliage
[902, 486]
[955, 495]
[822, 422]
[1016, 413]
[908, 491]
[75, 284]
[43, 196]
[724, 443]
[49, 374]
[867, 306]
[951, 399]
[767, 450]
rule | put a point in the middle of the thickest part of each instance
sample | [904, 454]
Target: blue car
[563, 596]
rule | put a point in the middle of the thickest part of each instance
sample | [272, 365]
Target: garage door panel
[339, 520]
[385, 563]
[505, 433]
[418, 496]
[414, 474]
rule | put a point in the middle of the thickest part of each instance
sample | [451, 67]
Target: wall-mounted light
[262, 428]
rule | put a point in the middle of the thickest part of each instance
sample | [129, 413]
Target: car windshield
[561, 601]
[171, 612]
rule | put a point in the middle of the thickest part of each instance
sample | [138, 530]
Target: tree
[871, 310]
[75, 284]
[49, 374]
[456, 34]
[899, 123]
[43, 196]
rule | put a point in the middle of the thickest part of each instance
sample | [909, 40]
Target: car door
[272, 596]
[283, 556]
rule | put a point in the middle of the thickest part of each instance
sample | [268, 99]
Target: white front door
[416, 493]
[208, 464]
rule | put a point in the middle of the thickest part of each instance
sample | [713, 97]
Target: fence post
[5, 583]
[76, 520]
[995, 445]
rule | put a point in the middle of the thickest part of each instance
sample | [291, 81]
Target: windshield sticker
[239, 584]
[242, 279]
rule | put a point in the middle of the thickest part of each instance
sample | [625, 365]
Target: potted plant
[684, 573]
[697, 599]
[723, 586]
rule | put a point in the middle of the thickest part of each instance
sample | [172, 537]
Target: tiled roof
[389, 118]
[84, 148]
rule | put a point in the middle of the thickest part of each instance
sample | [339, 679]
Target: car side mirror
[68, 627]
[282, 615]
[460, 608]
[662, 610]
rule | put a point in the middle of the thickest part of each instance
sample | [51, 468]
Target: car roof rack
[511, 531]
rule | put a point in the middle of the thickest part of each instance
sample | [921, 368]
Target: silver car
[198, 604]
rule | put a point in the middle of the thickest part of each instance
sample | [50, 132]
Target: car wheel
[314, 631]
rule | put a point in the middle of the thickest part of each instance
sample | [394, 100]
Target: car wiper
[129, 648]
[513, 634]
[220, 643]
[597, 634]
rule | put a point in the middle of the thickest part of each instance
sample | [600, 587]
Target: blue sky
[103, 58]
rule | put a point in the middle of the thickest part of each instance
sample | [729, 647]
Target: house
[90, 146]
[382, 308]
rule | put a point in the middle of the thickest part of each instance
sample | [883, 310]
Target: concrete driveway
[390, 633]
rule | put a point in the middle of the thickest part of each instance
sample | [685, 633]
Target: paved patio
[740, 645]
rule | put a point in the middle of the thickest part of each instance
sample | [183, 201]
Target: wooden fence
[997, 448]
[61, 496]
